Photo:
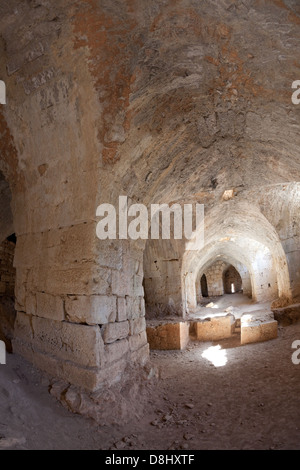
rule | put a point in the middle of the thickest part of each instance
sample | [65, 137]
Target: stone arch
[90, 117]
[203, 285]
[264, 249]
[232, 280]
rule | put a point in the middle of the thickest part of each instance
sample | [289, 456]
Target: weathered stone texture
[163, 102]
[215, 328]
[93, 310]
[64, 341]
[168, 336]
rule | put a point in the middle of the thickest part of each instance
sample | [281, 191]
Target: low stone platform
[258, 326]
[169, 335]
[287, 315]
[172, 334]
[214, 328]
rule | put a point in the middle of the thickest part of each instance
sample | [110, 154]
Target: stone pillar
[80, 320]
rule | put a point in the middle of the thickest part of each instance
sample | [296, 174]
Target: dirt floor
[210, 396]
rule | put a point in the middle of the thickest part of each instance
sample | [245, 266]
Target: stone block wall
[162, 279]
[87, 338]
[214, 277]
[89, 118]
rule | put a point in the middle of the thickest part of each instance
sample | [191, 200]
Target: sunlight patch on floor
[215, 355]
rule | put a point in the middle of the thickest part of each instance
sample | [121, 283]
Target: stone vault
[164, 102]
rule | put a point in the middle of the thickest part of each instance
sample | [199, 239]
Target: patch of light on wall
[215, 355]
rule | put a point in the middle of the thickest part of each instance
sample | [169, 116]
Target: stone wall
[215, 279]
[160, 101]
[162, 278]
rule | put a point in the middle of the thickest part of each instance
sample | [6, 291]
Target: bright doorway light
[232, 288]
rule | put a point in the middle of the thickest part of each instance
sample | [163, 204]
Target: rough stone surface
[259, 326]
[93, 310]
[168, 336]
[287, 315]
[115, 331]
[164, 102]
[80, 344]
[214, 328]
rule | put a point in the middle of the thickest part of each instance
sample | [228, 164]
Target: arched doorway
[203, 284]
[232, 280]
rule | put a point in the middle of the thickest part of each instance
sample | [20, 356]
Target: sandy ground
[251, 401]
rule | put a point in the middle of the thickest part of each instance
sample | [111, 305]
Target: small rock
[188, 436]
[189, 405]
[120, 445]
[155, 422]
[184, 446]
[167, 418]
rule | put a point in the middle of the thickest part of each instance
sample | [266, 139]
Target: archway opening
[232, 281]
[203, 284]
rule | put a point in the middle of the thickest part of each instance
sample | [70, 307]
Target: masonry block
[49, 306]
[215, 328]
[287, 315]
[168, 336]
[79, 344]
[116, 350]
[114, 331]
[121, 309]
[137, 325]
[65, 370]
[258, 325]
[137, 341]
[93, 310]
[255, 330]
